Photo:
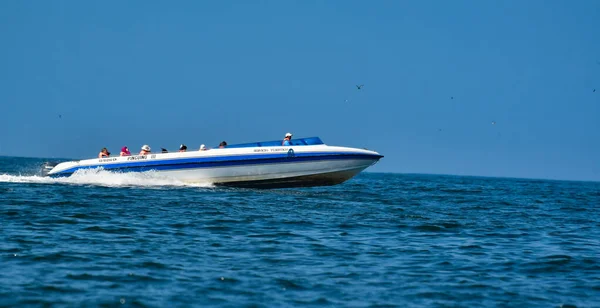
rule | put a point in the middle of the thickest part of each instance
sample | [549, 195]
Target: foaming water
[378, 240]
[105, 178]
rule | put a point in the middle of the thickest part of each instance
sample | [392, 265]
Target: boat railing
[274, 143]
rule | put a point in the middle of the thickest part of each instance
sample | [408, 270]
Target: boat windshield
[294, 142]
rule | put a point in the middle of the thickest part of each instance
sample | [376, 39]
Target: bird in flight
[359, 86]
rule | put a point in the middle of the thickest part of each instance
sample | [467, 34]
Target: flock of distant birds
[360, 86]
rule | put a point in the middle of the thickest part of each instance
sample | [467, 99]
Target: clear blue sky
[165, 73]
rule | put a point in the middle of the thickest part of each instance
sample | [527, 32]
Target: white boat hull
[317, 173]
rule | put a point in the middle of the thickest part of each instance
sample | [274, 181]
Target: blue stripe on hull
[212, 162]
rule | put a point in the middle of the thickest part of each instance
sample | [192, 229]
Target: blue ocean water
[378, 240]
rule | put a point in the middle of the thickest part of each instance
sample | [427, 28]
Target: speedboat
[306, 162]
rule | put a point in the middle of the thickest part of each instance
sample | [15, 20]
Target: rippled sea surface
[101, 238]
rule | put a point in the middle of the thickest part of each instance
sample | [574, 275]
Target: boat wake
[104, 178]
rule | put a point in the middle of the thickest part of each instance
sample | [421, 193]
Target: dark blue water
[377, 240]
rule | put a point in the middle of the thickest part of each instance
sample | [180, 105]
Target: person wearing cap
[125, 151]
[103, 153]
[202, 147]
[287, 141]
[145, 150]
[182, 148]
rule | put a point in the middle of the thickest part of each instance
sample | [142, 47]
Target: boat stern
[47, 167]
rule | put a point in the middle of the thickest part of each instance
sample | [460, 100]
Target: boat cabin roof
[275, 143]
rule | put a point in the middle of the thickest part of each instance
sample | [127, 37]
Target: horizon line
[398, 173]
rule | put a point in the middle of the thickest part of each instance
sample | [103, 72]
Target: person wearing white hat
[287, 140]
[145, 150]
[202, 147]
[182, 148]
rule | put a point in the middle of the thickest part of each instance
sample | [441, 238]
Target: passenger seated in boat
[103, 153]
[222, 144]
[163, 150]
[202, 147]
[145, 150]
[182, 148]
[287, 140]
[125, 151]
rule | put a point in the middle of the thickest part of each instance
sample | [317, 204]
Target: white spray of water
[104, 178]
